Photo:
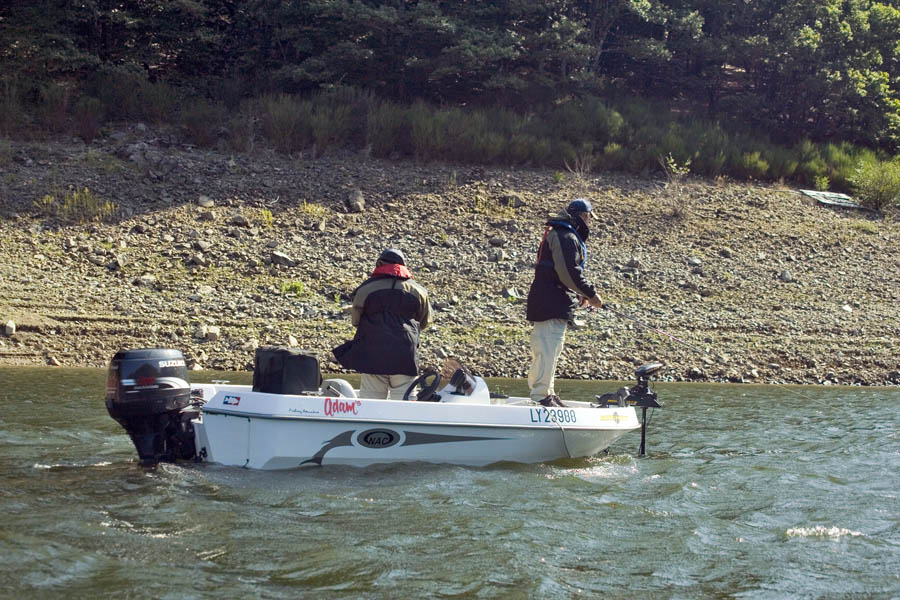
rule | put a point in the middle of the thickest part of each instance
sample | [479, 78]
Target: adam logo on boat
[337, 406]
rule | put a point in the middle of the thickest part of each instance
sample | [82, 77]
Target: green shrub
[867, 227]
[749, 165]
[614, 156]
[12, 113]
[386, 129]
[202, 121]
[492, 207]
[543, 151]
[479, 142]
[287, 122]
[88, 114]
[605, 123]
[426, 135]
[54, 106]
[330, 125]
[241, 133]
[675, 171]
[294, 288]
[158, 102]
[6, 152]
[710, 146]
[315, 210]
[877, 183]
[810, 170]
[810, 163]
[525, 148]
[486, 147]
[567, 122]
[674, 146]
[841, 160]
[359, 103]
[117, 88]
[582, 162]
[783, 163]
[75, 205]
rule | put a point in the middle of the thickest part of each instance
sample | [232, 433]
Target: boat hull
[239, 427]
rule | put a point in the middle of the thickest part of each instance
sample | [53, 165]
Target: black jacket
[389, 311]
[559, 273]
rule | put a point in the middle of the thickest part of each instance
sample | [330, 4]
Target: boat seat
[338, 387]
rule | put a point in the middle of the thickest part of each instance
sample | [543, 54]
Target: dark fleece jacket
[559, 272]
[389, 311]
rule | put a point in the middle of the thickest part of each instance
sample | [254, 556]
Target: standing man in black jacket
[389, 311]
[558, 288]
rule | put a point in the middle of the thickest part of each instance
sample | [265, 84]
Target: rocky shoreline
[216, 254]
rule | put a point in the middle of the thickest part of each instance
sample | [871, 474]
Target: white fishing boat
[291, 418]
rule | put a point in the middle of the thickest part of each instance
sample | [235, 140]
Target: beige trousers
[547, 338]
[384, 386]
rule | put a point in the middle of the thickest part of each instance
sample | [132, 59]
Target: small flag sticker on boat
[232, 400]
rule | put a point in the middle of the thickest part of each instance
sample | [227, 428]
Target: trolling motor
[641, 396]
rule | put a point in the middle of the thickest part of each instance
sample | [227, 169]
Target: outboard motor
[148, 393]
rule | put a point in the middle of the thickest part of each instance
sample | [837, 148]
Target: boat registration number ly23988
[552, 415]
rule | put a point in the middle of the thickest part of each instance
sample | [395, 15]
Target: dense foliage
[786, 89]
[820, 69]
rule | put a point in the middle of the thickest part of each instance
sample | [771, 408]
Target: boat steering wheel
[427, 393]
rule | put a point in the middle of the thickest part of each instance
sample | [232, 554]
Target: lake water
[746, 492]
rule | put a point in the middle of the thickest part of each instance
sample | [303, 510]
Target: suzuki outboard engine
[148, 393]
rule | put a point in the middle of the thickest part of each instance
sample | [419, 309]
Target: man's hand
[596, 301]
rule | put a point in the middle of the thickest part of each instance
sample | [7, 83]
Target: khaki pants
[384, 386]
[547, 338]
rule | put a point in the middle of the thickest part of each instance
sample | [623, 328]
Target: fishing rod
[679, 340]
[654, 329]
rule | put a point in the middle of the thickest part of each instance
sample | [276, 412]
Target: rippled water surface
[746, 492]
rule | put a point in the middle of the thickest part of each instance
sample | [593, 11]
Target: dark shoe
[552, 400]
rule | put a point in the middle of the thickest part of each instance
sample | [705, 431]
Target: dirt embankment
[216, 254]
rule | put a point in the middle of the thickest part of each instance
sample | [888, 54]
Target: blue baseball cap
[579, 205]
[392, 256]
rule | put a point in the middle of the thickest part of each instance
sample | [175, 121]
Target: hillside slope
[215, 254]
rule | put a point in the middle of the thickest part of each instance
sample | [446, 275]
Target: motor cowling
[148, 393]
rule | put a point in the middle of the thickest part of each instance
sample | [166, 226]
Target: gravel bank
[216, 254]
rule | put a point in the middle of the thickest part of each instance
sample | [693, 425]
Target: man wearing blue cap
[389, 311]
[558, 288]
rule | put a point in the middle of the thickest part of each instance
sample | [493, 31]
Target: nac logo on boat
[336, 406]
[377, 438]
[231, 400]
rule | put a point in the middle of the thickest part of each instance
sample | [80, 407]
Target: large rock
[356, 202]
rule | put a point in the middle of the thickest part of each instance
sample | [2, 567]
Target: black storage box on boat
[282, 370]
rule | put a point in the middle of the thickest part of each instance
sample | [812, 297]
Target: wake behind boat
[291, 418]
